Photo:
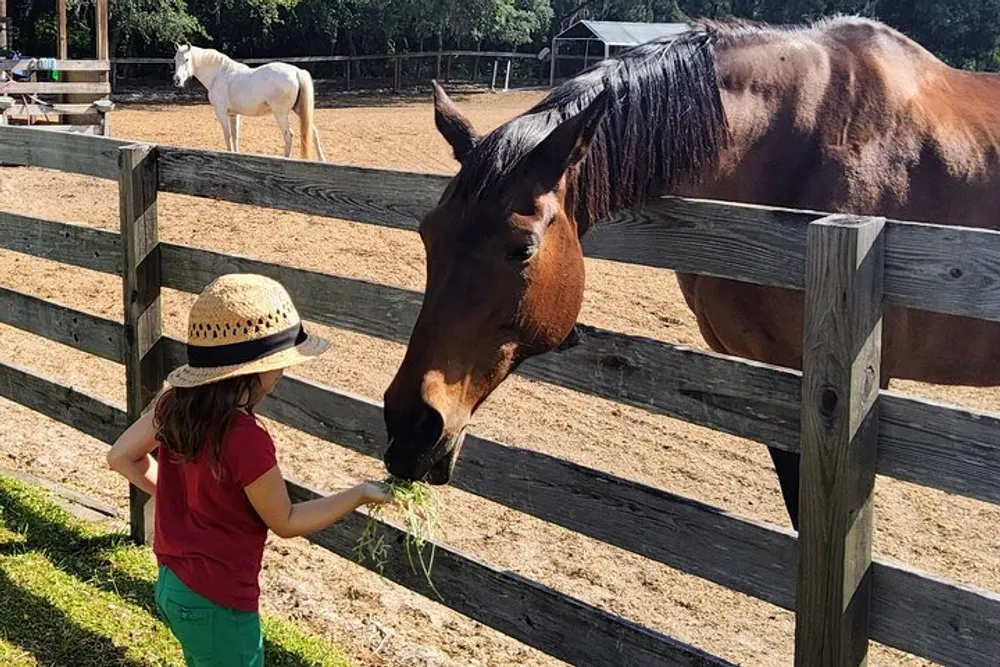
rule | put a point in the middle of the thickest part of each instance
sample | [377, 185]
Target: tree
[136, 26]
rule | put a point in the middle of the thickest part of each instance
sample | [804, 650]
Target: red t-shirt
[206, 530]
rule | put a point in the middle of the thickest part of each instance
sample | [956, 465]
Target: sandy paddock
[383, 624]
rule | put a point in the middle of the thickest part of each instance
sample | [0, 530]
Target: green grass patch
[78, 594]
[14, 656]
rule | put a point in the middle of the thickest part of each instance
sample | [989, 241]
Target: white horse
[235, 89]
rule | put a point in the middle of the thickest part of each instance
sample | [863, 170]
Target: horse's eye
[521, 254]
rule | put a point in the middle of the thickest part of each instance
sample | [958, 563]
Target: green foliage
[139, 25]
[965, 33]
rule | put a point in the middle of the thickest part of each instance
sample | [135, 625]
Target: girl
[216, 481]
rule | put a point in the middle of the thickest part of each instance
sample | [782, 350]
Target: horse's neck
[208, 65]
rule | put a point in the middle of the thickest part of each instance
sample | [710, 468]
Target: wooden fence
[846, 430]
[425, 63]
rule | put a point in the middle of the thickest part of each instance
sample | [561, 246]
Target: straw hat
[242, 324]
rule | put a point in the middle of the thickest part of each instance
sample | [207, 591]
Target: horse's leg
[786, 465]
[286, 131]
[319, 144]
[226, 130]
[234, 130]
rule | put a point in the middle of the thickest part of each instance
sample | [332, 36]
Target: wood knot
[955, 273]
[829, 399]
[615, 361]
[868, 383]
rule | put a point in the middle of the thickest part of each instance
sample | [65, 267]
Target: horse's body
[235, 90]
[847, 115]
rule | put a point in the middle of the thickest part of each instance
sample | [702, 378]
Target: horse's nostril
[429, 424]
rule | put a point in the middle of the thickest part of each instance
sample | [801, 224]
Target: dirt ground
[383, 624]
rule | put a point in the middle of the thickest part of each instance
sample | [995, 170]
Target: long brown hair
[190, 420]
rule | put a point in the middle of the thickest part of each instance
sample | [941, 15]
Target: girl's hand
[374, 493]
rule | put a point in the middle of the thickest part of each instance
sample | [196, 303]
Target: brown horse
[846, 115]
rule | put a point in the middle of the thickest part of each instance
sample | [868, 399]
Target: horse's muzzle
[434, 465]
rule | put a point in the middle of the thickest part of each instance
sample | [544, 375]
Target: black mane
[665, 126]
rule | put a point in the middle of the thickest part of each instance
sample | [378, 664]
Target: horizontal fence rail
[35, 65]
[339, 59]
[55, 88]
[56, 109]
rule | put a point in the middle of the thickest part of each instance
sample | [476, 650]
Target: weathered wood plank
[747, 399]
[953, 449]
[539, 616]
[74, 153]
[21, 109]
[90, 130]
[144, 373]
[381, 196]
[951, 624]
[914, 612]
[61, 242]
[357, 305]
[757, 244]
[840, 390]
[33, 65]
[947, 269]
[56, 88]
[85, 413]
[83, 331]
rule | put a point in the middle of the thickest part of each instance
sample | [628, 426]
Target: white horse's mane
[201, 56]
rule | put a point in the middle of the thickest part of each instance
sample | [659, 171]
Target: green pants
[210, 635]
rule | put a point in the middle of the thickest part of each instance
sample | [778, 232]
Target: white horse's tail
[304, 108]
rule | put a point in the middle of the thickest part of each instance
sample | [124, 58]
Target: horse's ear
[452, 124]
[564, 147]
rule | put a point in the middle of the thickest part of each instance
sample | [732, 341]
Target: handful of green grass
[419, 506]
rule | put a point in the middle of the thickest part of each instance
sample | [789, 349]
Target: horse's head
[505, 278]
[183, 67]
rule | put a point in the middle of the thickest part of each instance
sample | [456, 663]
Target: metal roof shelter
[611, 34]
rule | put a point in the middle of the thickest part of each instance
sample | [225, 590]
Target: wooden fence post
[141, 278]
[840, 389]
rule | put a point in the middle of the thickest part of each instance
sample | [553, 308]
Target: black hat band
[200, 356]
